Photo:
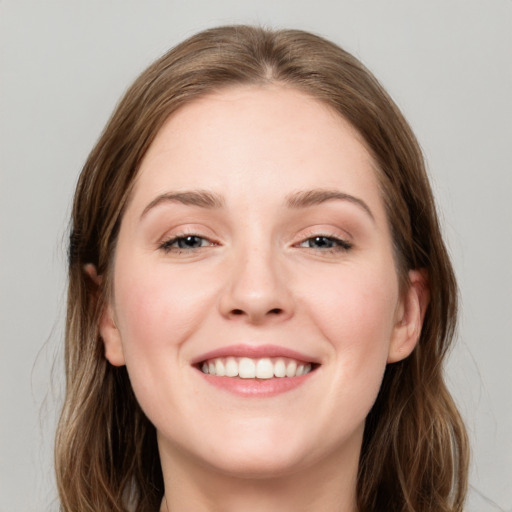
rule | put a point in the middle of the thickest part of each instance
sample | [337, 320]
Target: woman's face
[256, 245]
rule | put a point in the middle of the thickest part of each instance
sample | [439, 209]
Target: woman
[260, 299]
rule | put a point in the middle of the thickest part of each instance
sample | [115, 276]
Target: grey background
[64, 65]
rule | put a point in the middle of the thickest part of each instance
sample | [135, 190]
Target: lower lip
[260, 388]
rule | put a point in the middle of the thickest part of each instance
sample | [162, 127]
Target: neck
[329, 487]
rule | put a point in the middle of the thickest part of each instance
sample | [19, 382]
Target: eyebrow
[200, 198]
[307, 198]
[296, 200]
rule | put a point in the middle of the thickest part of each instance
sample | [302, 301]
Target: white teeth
[247, 368]
[280, 368]
[220, 369]
[231, 367]
[291, 369]
[264, 369]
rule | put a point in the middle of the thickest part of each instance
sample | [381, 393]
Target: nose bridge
[256, 287]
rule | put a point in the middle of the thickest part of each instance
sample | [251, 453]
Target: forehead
[259, 141]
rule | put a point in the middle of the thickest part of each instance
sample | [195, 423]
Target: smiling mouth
[251, 368]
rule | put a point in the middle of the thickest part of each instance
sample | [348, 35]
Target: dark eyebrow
[306, 198]
[199, 198]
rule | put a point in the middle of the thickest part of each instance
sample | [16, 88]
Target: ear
[409, 318]
[107, 327]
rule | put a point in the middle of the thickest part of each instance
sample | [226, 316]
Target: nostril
[274, 311]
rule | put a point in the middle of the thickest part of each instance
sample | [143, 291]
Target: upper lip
[255, 352]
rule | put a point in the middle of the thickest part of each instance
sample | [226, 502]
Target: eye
[185, 243]
[326, 243]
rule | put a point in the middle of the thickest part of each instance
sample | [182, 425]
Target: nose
[257, 290]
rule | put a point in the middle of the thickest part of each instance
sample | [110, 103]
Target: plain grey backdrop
[64, 65]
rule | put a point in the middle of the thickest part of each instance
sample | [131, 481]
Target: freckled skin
[255, 281]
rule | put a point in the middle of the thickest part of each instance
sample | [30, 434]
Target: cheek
[157, 310]
[355, 311]
[351, 302]
[157, 307]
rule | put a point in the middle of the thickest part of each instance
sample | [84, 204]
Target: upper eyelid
[187, 230]
[205, 232]
[167, 244]
[332, 232]
[180, 236]
[343, 242]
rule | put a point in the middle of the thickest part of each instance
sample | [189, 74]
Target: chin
[265, 449]
[259, 464]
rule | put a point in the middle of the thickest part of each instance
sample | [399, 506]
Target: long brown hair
[414, 455]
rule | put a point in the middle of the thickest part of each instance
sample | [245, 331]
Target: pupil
[322, 241]
[189, 242]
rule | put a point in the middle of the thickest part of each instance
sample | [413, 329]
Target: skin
[258, 278]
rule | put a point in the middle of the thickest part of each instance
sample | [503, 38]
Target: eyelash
[168, 245]
[338, 244]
